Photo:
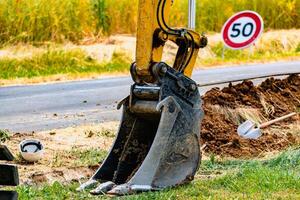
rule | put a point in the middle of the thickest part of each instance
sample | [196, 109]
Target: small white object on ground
[31, 150]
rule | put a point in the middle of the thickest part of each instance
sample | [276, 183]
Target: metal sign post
[192, 14]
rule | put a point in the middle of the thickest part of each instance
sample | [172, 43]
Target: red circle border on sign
[259, 27]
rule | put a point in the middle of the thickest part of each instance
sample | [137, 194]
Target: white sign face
[242, 30]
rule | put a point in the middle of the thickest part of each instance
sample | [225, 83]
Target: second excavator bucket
[157, 145]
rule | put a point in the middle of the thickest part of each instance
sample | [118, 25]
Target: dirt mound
[272, 98]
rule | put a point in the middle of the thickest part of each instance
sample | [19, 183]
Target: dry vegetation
[25, 63]
[65, 39]
[60, 20]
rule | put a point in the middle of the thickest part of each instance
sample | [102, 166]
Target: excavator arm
[152, 34]
[157, 145]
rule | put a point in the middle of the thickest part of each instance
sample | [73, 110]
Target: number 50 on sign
[242, 29]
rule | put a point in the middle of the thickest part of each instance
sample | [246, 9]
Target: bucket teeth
[123, 189]
[103, 188]
[87, 185]
[157, 145]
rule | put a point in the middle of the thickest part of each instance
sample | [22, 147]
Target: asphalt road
[58, 105]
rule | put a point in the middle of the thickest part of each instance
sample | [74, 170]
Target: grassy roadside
[78, 63]
[246, 56]
[54, 62]
[25, 63]
[273, 178]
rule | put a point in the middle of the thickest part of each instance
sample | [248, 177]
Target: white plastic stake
[223, 51]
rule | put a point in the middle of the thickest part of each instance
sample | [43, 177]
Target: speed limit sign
[242, 29]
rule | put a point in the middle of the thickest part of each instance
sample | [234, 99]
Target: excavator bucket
[157, 145]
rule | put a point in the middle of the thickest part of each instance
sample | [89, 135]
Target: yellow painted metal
[190, 66]
[151, 38]
[146, 53]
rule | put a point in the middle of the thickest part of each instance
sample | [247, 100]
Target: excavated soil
[272, 98]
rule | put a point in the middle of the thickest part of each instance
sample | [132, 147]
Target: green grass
[88, 157]
[4, 135]
[72, 20]
[79, 157]
[272, 50]
[59, 62]
[102, 133]
[276, 178]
